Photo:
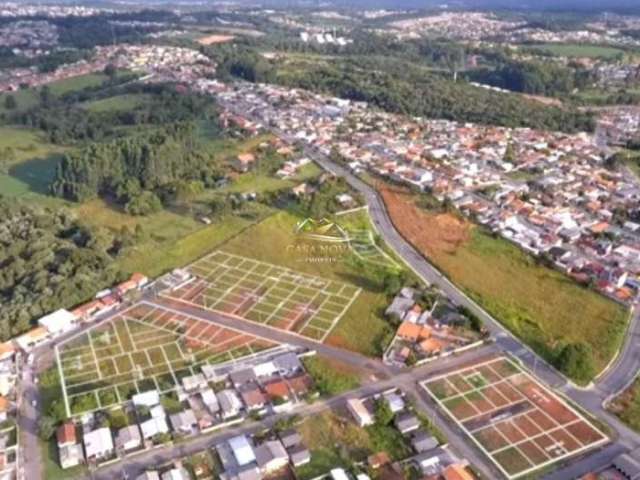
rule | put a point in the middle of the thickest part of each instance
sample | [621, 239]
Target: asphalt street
[591, 399]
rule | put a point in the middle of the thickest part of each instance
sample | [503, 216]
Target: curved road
[616, 378]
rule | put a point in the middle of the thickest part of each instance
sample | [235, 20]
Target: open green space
[27, 98]
[329, 377]
[27, 162]
[334, 441]
[540, 305]
[627, 406]
[545, 308]
[363, 327]
[579, 50]
[118, 103]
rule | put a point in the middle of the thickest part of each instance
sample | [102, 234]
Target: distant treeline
[399, 86]
[65, 120]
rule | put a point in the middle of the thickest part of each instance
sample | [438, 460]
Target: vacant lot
[579, 50]
[141, 349]
[118, 103]
[519, 424]
[213, 39]
[627, 406]
[334, 441]
[540, 305]
[362, 328]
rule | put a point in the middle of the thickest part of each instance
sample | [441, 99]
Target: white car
[34, 403]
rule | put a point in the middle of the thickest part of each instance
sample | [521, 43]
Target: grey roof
[240, 377]
[629, 464]
[126, 434]
[183, 420]
[287, 362]
[422, 442]
[299, 455]
[289, 438]
[406, 421]
[399, 306]
[270, 450]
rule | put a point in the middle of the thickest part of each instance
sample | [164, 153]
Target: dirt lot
[432, 233]
[213, 39]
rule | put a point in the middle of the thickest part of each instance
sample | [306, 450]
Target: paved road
[31, 464]
[276, 335]
[407, 381]
[617, 377]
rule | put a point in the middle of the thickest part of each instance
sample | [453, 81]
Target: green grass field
[362, 327]
[28, 162]
[28, 98]
[542, 306]
[169, 240]
[334, 441]
[118, 103]
[261, 183]
[579, 50]
[627, 406]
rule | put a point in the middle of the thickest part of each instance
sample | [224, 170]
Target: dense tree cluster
[48, 260]
[533, 77]
[65, 120]
[125, 167]
[399, 88]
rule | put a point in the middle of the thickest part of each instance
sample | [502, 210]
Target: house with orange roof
[7, 350]
[412, 332]
[5, 407]
[432, 346]
[457, 471]
[244, 162]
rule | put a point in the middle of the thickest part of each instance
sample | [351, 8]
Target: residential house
[194, 382]
[98, 444]
[242, 450]
[299, 455]
[395, 401]
[287, 364]
[32, 338]
[154, 426]
[360, 412]
[71, 455]
[58, 322]
[421, 441]
[128, 438]
[457, 471]
[300, 384]
[210, 400]
[290, 438]
[184, 422]
[230, 403]
[244, 162]
[278, 393]
[406, 422]
[149, 475]
[66, 434]
[146, 399]
[176, 474]
[253, 397]
[271, 456]
[241, 377]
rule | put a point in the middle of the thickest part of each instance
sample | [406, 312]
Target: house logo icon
[323, 230]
